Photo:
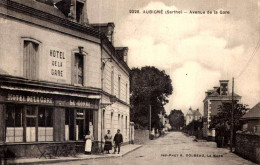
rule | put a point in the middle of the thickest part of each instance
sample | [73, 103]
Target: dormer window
[79, 12]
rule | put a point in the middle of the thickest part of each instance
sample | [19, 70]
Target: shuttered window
[30, 59]
[78, 69]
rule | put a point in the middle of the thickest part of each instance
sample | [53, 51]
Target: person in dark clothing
[118, 140]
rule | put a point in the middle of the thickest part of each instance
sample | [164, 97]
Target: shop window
[30, 59]
[78, 69]
[79, 12]
[31, 115]
[14, 123]
[89, 121]
[69, 124]
[76, 127]
[80, 126]
[45, 124]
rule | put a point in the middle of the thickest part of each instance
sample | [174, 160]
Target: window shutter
[30, 59]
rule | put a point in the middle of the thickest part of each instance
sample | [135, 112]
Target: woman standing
[108, 142]
[88, 144]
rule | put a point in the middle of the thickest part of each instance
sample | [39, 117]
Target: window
[118, 120]
[35, 122]
[112, 81]
[111, 123]
[69, 124]
[126, 93]
[89, 121]
[77, 123]
[79, 12]
[45, 126]
[78, 69]
[30, 59]
[103, 119]
[31, 115]
[119, 88]
[126, 126]
[122, 124]
[14, 123]
[80, 126]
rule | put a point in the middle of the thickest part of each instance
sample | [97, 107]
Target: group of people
[118, 140]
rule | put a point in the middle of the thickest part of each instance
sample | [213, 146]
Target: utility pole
[232, 117]
[150, 119]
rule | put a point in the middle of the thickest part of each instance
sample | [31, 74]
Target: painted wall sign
[57, 64]
[29, 99]
[83, 104]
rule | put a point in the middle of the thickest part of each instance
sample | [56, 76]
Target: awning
[53, 92]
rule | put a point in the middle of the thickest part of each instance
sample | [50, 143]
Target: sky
[196, 50]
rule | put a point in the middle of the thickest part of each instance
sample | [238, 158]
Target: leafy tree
[194, 125]
[149, 86]
[224, 115]
[222, 121]
[176, 119]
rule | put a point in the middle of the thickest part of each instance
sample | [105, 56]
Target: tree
[222, 121]
[176, 119]
[149, 86]
[224, 114]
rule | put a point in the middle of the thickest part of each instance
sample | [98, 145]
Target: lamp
[81, 49]
[105, 60]
[112, 101]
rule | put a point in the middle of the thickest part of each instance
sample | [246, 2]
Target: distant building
[192, 115]
[251, 120]
[213, 99]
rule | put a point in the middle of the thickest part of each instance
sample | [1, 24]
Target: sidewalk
[124, 150]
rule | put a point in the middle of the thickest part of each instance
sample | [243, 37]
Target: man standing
[118, 139]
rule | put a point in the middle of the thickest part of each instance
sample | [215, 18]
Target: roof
[216, 92]
[193, 112]
[253, 113]
[103, 27]
[197, 113]
[42, 7]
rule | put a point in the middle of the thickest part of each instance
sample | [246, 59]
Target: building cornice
[118, 100]
[37, 84]
[221, 98]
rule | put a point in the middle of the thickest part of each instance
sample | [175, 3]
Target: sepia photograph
[130, 82]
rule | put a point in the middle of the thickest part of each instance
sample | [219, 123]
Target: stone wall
[141, 136]
[248, 146]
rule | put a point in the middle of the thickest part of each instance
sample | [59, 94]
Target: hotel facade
[60, 77]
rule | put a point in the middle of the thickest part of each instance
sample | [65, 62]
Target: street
[174, 148]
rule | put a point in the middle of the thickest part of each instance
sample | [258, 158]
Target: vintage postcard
[129, 82]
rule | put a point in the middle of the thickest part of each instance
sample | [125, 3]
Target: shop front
[31, 119]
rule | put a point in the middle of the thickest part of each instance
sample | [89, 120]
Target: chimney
[110, 32]
[122, 53]
[215, 88]
[125, 55]
[223, 87]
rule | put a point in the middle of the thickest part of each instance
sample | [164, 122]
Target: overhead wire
[250, 59]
